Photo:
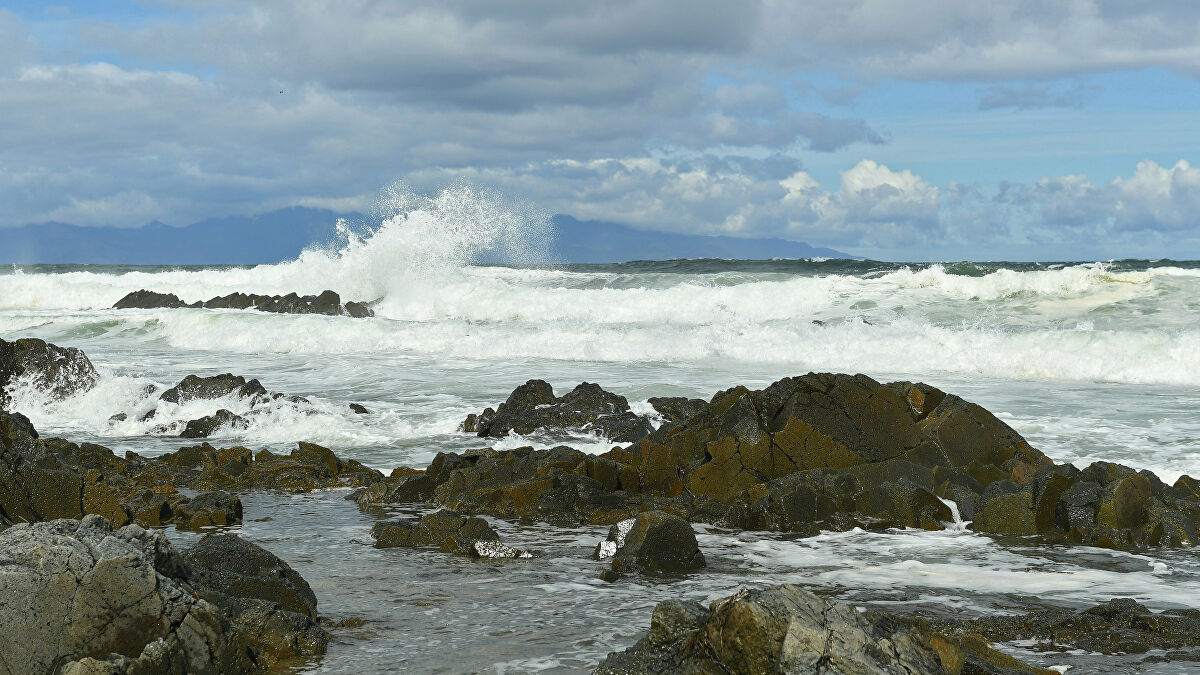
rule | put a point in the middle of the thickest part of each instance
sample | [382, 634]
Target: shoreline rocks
[328, 303]
[447, 530]
[818, 452]
[784, 629]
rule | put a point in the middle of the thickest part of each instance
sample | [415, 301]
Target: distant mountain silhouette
[281, 235]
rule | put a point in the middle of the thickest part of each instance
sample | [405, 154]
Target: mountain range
[281, 235]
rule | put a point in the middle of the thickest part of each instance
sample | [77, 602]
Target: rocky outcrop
[1120, 625]
[55, 478]
[328, 303]
[533, 406]
[59, 371]
[655, 543]
[818, 452]
[45, 480]
[787, 630]
[107, 601]
[447, 530]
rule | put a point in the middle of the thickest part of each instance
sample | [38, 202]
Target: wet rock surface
[784, 629]
[58, 371]
[1121, 625]
[328, 303]
[818, 452]
[533, 406]
[108, 601]
[272, 604]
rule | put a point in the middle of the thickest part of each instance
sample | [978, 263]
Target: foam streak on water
[1090, 361]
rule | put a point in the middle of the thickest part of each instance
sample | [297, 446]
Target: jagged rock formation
[126, 601]
[533, 405]
[816, 452]
[194, 387]
[327, 302]
[787, 630]
[59, 371]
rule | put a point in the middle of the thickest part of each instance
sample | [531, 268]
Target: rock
[145, 299]
[359, 409]
[210, 424]
[677, 409]
[812, 453]
[235, 567]
[327, 302]
[108, 601]
[783, 629]
[1119, 625]
[616, 539]
[480, 548]
[659, 542]
[194, 387]
[209, 509]
[432, 530]
[533, 406]
[61, 372]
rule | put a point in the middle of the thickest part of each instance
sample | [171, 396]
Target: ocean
[1088, 360]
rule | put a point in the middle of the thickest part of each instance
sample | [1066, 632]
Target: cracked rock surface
[784, 629]
[75, 594]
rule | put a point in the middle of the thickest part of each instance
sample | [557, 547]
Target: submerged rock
[59, 371]
[784, 629]
[108, 601]
[433, 529]
[327, 302]
[533, 406]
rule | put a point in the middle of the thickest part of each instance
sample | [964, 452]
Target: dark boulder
[359, 409]
[787, 630]
[194, 387]
[658, 542]
[227, 564]
[61, 372]
[533, 406]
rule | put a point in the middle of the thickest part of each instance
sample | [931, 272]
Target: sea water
[1088, 360]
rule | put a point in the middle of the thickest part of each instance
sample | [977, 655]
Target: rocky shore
[80, 546]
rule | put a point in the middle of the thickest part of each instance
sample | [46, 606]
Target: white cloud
[1157, 197]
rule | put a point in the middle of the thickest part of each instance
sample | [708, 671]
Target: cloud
[1030, 96]
[1000, 40]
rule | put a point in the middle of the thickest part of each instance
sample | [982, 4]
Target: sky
[919, 130]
